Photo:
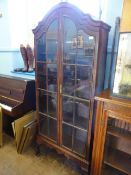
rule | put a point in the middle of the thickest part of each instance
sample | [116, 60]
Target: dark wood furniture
[17, 97]
[70, 53]
[112, 139]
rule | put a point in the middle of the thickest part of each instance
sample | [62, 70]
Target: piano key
[8, 108]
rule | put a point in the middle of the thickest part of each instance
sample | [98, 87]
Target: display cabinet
[70, 54]
[112, 139]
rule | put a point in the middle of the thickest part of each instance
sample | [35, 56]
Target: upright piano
[17, 96]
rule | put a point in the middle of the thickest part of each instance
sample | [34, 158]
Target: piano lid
[13, 76]
[17, 95]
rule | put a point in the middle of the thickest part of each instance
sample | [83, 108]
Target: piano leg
[7, 126]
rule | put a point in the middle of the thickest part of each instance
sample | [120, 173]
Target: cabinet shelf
[107, 170]
[47, 62]
[47, 115]
[74, 126]
[117, 132]
[118, 160]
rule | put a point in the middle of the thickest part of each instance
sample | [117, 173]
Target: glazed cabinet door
[47, 86]
[76, 87]
[117, 147]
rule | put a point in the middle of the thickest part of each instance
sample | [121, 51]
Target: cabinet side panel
[101, 64]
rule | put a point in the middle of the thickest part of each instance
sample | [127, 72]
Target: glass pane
[41, 75]
[80, 138]
[69, 79]
[67, 132]
[51, 39]
[68, 109]
[52, 104]
[52, 129]
[41, 49]
[81, 113]
[122, 81]
[117, 152]
[86, 48]
[43, 125]
[70, 41]
[52, 77]
[42, 102]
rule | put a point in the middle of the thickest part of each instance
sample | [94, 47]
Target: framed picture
[74, 43]
[122, 79]
[89, 51]
[80, 41]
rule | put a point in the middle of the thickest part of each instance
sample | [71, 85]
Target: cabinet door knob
[60, 88]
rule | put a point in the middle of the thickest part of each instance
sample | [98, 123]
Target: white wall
[19, 17]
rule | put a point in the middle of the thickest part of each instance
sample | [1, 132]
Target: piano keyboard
[8, 108]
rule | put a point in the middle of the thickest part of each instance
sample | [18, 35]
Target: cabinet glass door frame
[100, 142]
[64, 95]
[59, 63]
[117, 128]
[49, 69]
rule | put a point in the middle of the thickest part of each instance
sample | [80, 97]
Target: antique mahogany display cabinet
[112, 139]
[70, 53]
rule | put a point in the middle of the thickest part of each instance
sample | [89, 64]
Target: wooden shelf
[118, 160]
[117, 132]
[74, 126]
[111, 171]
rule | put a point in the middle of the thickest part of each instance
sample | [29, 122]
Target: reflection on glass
[83, 83]
[52, 77]
[43, 125]
[51, 39]
[42, 102]
[80, 138]
[83, 90]
[41, 77]
[67, 132]
[69, 79]
[86, 46]
[84, 73]
[52, 104]
[122, 81]
[41, 49]
[67, 109]
[52, 129]
[41, 68]
[48, 127]
[41, 81]
[70, 41]
[117, 152]
[81, 113]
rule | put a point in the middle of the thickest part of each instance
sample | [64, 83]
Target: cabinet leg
[84, 171]
[37, 149]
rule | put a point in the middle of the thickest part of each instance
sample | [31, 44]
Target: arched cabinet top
[71, 11]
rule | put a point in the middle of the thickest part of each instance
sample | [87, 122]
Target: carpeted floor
[51, 163]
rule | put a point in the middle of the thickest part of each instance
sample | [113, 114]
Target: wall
[9, 51]
[126, 17]
[9, 57]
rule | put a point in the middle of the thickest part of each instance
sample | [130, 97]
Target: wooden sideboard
[112, 138]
